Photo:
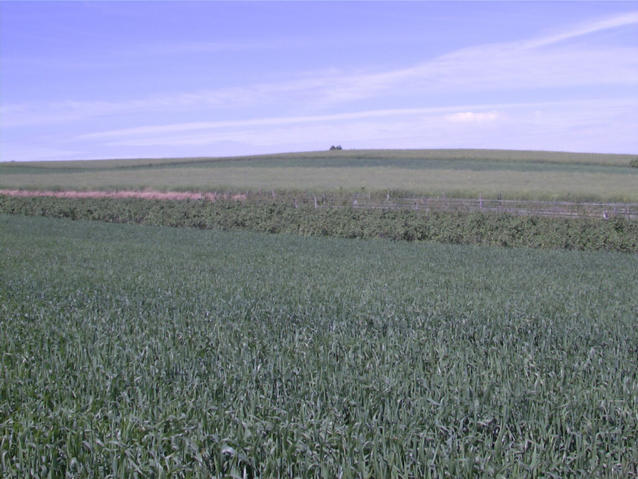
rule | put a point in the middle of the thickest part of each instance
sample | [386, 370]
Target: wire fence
[563, 209]
[556, 209]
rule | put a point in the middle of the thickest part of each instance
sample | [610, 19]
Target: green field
[131, 350]
[465, 173]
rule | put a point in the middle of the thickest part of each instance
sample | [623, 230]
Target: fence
[564, 209]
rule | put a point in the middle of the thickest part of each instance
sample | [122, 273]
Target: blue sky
[83, 80]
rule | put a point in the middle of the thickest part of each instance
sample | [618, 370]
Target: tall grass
[156, 352]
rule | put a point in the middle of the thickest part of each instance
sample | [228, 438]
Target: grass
[491, 173]
[158, 352]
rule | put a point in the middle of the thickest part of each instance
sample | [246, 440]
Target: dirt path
[147, 194]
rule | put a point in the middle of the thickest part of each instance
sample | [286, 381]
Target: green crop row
[616, 234]
[137, 351]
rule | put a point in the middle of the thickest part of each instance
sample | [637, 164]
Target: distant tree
[634, 163]
[333, 148]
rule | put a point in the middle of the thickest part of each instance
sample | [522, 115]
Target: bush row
[617, 234]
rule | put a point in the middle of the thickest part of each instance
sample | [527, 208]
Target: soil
[146, 194]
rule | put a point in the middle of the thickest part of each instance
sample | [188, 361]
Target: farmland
[374, 334]
[164, 352]
[459, 173]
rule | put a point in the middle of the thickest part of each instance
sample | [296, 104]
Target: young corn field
[143, 351]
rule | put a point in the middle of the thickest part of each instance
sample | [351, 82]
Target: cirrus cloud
[472, 117]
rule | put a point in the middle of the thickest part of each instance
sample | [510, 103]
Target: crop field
[132, 350]
[462, 173]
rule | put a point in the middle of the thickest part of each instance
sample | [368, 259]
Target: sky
[88, 80]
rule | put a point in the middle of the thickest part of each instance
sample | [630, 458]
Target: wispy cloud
[476, 113]
[565, 125]
[314, 107]
[543, 62]
[516, 65]
[472, 117]
[419, 126]
[24, 114]
[272, 121]
[623, 20]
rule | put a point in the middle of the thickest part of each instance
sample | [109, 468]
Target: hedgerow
[616, 234]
